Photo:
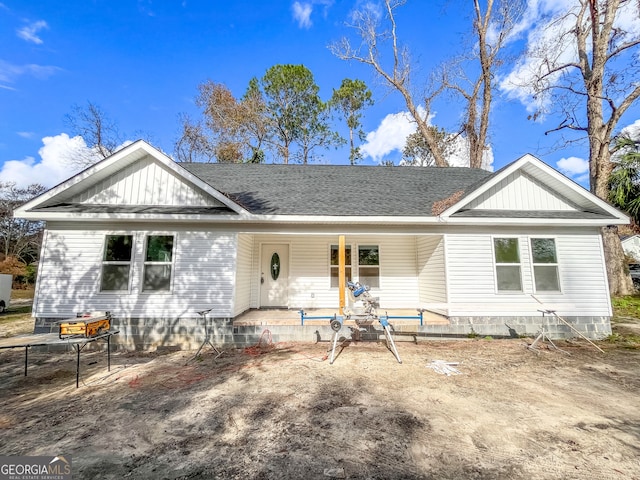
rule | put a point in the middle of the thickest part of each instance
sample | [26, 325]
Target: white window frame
[146, 263]
[496, 264]
[376, 245]
[117, 262]
[337, 267]
[534, 264]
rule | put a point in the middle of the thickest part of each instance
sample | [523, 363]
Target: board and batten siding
[472, 278]
[146, 182]
[309, 270]
[520, 191]
[204, 264]
[432, 279]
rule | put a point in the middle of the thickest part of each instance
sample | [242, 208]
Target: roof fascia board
[121, 156]
[304, 220]
[622, 219]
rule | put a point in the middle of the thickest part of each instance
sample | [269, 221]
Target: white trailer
[5, 291]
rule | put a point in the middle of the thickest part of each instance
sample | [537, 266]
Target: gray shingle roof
[336, 190]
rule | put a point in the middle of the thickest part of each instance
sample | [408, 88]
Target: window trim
[145, 246]
[376, 245]
[556, 264]
[346, 265]
[104, 262]
[496, 264]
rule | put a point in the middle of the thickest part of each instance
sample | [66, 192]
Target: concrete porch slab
[292, 317]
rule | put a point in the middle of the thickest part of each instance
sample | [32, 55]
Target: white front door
[274, 276]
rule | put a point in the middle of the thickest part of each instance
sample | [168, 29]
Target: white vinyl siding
[431, 271]
[472, 282]
[220, 269]
[243, 274]
[631, 246]
[146, 182]
[520, 191]
[203, 277]
[309, 269]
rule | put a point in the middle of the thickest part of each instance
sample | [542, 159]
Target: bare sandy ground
[283, 411]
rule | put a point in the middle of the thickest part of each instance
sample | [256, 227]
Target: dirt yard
[283, 411]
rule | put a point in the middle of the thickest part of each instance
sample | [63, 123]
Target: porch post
[341, 273]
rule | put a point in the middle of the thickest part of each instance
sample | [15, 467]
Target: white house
[154, 241]
[631, 246]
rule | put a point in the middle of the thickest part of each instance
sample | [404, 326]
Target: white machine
[5, 291]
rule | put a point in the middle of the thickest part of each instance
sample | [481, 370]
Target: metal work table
[40, 340]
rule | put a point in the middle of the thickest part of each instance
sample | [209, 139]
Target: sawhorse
[336, 326]
[207, 336]
[542, 336]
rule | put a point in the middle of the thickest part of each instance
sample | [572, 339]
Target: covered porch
[321, 316]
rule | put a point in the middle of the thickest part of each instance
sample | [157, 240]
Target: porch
[320, 317]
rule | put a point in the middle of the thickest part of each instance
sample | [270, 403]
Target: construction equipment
[85, 325]
[207, 336]
[364, 311]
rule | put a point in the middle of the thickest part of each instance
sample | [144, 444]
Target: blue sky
[141, 62]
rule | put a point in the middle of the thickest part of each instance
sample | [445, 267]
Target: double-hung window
[158, 263]
[507, 257]
[116, 263]
[335, 264]
[545, 265]
[369, 265]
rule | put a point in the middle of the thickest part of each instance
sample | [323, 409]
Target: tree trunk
[600, 167]
[620, 282]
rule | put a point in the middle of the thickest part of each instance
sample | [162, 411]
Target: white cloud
[459, 155]
[25, 134]
[366, 10]
[632, 131]
[302, 14]
[29, 32]
[574, 167]
[54, 165]
[390, 135]
[302, 11]
[9, 72]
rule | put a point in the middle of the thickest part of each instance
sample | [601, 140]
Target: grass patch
[13, 314]
[628, 306]
[22, 294]
[625, 322]
[627, 340]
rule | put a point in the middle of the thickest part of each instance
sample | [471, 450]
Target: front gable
[145, 182]
[136, 180]
[529, 190]
[520, 191]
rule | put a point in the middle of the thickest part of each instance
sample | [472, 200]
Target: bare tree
[99, 132]
[491, 31]
[193, 144]
[231, 130]
[19, 238]
[367, 23]
[591, 90]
